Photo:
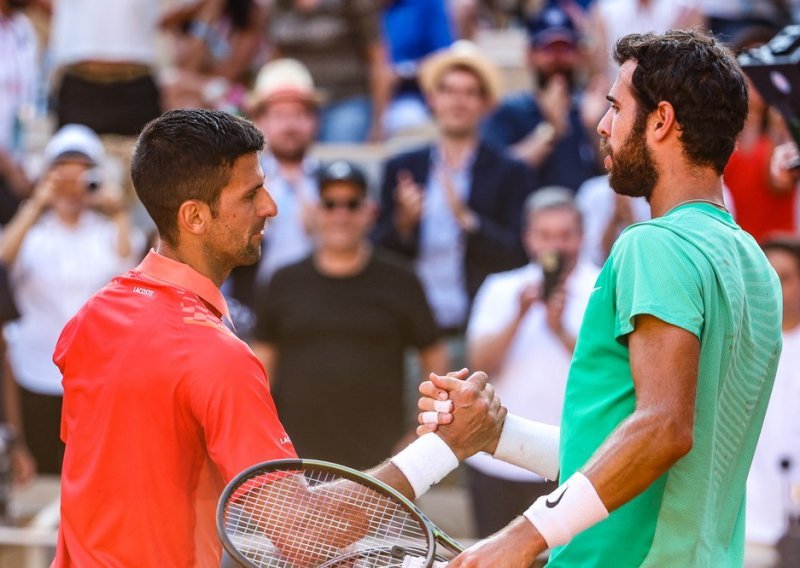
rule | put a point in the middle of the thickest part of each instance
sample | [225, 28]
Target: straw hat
[462, 53]
[283, 79]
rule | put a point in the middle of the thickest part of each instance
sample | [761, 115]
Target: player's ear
[194, 217]
[662, 121]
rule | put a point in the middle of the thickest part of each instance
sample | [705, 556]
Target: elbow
[678, 439]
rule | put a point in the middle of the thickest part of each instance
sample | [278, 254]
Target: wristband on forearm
[425, 461]
[572, 508]
[529, 445]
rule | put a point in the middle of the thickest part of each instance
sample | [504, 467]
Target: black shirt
[340, 345]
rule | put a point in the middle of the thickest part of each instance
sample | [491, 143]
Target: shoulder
[519, 104]
[413, 156]
[491, 156]
[392, 267]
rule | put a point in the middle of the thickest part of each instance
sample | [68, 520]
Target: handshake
[461, 415]
[464, 411]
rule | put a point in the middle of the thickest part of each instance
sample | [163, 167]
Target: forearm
[488, 352]
[389, 474]
[636, 454]
[380, 82]
[535, 148]
[15, 231]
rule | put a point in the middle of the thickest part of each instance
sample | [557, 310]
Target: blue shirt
[415, 28]
[571, 162]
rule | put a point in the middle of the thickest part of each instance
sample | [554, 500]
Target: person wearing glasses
[329, 325]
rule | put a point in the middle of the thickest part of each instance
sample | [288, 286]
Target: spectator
[215, 44]
[524, 339]
[340, 42]
[605, 215]
[776, 463]
[609, 20]
[356, 310]
[64, 244]
[105, 52]
[727, 20]
[764, 205]
[414, 29]
[18, 80]
[453, 207]
[285, 107]
[545, 128]
[22, 464]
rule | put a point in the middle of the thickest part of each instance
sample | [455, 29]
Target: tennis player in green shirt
[677, 354]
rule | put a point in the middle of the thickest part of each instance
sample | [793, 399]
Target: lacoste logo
[144, 291]
[550, 504]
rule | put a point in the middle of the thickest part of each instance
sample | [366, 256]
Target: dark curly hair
[702, 81]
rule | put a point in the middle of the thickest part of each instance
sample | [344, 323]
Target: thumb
[450, 382]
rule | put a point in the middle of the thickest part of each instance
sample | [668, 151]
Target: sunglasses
[351, 205]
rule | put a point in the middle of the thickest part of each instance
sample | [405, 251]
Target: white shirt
[533, 376]
[595, 199]
[285, 238]
[57, 270]
[622, 17]
[768, 486]
[19, 57]
[104, 30]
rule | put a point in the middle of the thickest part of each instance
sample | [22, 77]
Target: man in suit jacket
[454, 207]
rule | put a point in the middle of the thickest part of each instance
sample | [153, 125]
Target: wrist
[425, 461]
[572, 508]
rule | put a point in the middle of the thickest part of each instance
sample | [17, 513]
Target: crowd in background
[472, 236]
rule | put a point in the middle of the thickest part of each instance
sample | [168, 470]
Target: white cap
[284, 79]
[75, 139]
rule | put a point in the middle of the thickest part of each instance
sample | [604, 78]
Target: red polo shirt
[162, 406]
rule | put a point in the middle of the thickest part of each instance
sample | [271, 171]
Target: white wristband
[573, 507]
[529, 445]
[425, 461]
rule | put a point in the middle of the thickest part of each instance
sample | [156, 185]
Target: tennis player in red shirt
[163, 404]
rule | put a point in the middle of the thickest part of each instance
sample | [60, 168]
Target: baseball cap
[74, 140]
[552, 24]
[342, 171]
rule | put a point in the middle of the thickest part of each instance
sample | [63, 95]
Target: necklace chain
[716, 204]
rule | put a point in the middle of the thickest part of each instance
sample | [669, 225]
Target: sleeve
[267, 326]
[502, 128]
[423, 331]
[230, 398]
[658, 273]
[494, 307]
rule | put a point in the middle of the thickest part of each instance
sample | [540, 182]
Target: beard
[633, 171]
[543, 79]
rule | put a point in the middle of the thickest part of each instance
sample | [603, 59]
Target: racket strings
[313, 518]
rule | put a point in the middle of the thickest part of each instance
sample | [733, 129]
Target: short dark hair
[702, 81]
[188, 154]
[789, 245]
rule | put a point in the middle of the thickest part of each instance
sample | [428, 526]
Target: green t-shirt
[696, 269]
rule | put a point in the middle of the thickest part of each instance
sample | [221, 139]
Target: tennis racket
[314, 514]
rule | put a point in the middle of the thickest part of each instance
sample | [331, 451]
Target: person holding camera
[65, 243]
[522, 332]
